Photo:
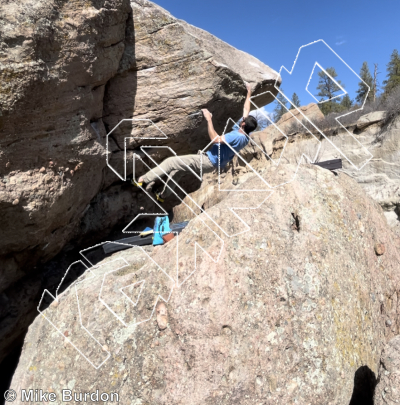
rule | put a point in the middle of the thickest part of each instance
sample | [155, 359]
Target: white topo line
[268, 189]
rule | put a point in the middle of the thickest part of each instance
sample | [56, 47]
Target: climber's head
[249, 124]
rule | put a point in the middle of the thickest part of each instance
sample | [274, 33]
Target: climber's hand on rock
[248, 87]
[207, 114]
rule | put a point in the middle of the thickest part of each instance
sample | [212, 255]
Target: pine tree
[327, 89]
[375, 83]
[362, 91]
[295, 101]
[393, 69]
[280, 109]
[346, 102]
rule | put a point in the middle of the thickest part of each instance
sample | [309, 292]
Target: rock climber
[177, 166]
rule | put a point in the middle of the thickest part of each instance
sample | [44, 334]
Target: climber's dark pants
[176, 167]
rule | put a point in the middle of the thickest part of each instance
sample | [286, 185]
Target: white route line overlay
[337, 84]
[337, 118]
[232, 209]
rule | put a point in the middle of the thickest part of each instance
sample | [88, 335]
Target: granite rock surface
[284, 304]
[70, 71]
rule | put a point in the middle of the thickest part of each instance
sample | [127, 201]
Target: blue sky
[273, 32]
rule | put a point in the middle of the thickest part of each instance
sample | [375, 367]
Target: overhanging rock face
[169, 71]
[252, 70]
[70, 71]
[286, 312]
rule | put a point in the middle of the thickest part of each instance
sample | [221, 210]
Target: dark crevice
[127, 58]
[115, 140]
[116, 43]
[97, 87]
[397, 212]
[296, 223]
[12, 42]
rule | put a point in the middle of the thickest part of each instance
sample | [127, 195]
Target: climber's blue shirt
[236, 140]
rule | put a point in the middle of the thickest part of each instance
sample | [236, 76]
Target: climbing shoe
[135, 183]
[159, 197]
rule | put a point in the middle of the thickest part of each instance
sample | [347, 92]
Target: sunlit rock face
[70, 71]
[284, 304]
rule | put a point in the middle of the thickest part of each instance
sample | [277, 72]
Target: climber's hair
[250, 124]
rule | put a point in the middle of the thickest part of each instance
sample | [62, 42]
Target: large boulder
[55, 59]
[284, 305]
[70, 72]
[370, 118]
[169, 71]
[292, 117]
[74, 66]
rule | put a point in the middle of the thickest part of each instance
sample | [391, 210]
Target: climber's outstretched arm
[246, 109]
[211, 131]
